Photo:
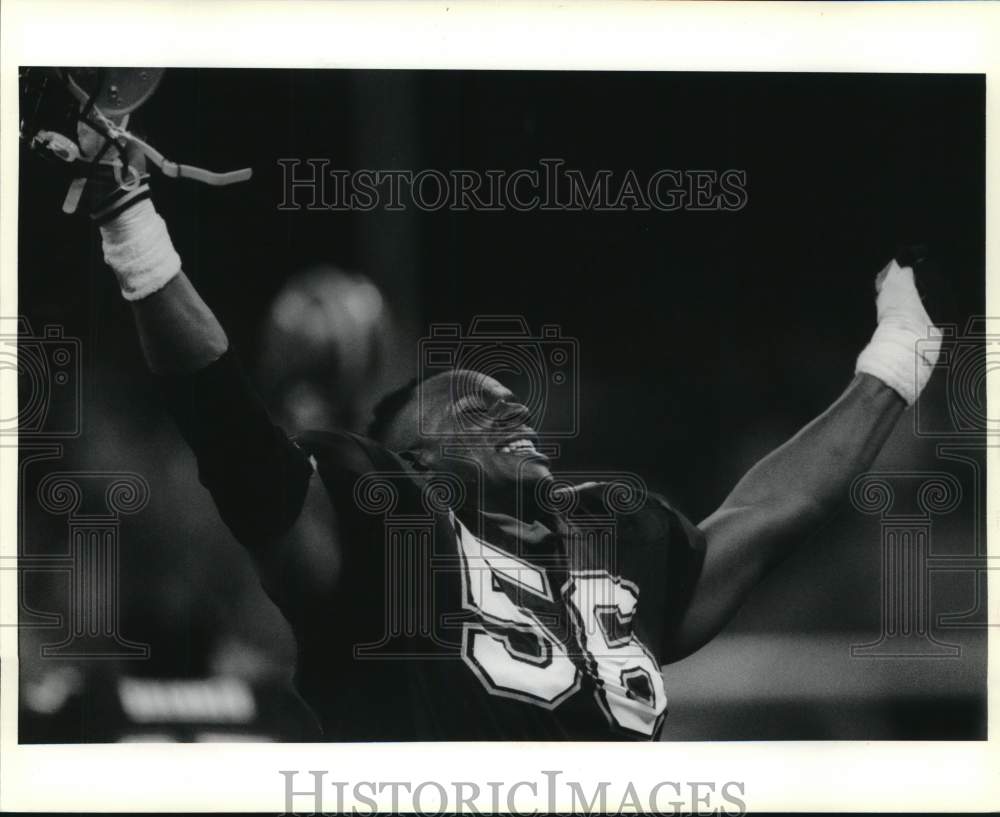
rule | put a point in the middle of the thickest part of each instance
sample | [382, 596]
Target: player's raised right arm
[260, 480]
[178, 332]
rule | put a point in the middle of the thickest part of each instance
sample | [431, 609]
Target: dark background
[706, 338]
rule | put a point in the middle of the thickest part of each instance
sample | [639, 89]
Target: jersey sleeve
[365, 485]
[257, 476]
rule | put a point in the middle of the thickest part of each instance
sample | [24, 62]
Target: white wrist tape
[906, 344]
[137, 248]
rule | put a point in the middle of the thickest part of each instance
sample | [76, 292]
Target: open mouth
[522, 445]
[517, 447]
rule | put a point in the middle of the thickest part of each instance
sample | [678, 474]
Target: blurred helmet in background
[322, 345]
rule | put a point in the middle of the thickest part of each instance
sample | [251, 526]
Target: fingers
[907, 257]
[880, 278]
[89, 139]
[891, 273]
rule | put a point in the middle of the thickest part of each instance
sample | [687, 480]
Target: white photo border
[795, 37]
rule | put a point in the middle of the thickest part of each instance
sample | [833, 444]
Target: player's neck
[520, 506]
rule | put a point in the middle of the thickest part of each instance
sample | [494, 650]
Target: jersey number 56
[514, 654]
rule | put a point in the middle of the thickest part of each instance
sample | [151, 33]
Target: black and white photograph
[424, 405]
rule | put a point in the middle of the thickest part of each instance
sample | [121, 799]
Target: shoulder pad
[345, 451]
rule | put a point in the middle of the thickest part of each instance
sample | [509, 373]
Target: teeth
[518, 445]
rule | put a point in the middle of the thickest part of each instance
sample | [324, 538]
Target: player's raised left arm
[779, 502]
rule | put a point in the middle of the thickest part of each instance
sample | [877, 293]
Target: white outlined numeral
[516, 656]
[630, 685]
[536, 668]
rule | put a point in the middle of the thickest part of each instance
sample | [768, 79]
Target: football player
[473, 599]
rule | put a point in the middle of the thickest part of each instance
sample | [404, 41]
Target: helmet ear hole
[117, 91]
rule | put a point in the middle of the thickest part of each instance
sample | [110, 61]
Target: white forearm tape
[906, 344]
[137, 248]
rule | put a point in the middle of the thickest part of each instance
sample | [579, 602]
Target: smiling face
[483, 427]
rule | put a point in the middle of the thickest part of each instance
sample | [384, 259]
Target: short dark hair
[387, 409]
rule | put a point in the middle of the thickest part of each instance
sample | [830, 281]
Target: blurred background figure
[221, 656]
[323, 346]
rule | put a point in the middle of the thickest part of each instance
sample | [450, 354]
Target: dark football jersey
[453, 624]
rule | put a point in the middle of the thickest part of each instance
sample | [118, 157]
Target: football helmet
[60, 104]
